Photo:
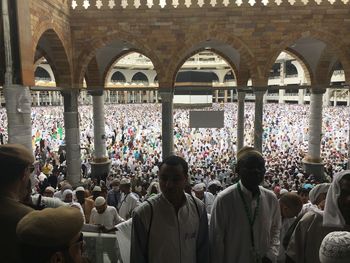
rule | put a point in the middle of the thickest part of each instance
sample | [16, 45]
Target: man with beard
[107, 217]
[16, 166]
[245, 219]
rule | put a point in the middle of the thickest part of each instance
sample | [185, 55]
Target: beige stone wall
[168, 36]
[50, 19]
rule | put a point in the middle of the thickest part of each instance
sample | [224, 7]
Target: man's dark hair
[303, 191]
[174, 160]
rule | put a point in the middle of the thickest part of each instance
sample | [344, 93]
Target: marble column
[100, 165]
[151, 96]
[225, 96]
[18, 108]
[139, 94]
[147, 96]
[216, 96]
[50, 99]
[240, 119]
[38, 97]
[99, 124]
[327, 97]
[231, 95]
[72, 136]
[258, 117]
[18, 98]
[157, 100]
[281, 93]
[54, 98]
[167, 123]
[335, 99]
[301, 96]
[313, 162]
[126, 97]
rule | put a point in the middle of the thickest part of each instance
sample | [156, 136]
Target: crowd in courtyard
[133, 133]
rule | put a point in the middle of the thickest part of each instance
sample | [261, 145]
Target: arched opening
[140, 78]
[229, 77]
[285, 77]
[129, 78]
[52, 69]
[204, 78]
[42, 74]
[337, 94]
[118, 77]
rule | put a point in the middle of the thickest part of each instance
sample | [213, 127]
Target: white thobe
[127, 205]
[109, 218]
[208, 201]
[230, 229]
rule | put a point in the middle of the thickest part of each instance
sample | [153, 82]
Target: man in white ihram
[245, 218]
[206, 197]
[129, 201]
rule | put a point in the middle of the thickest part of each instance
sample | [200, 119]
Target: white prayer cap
[100, 201]
[80, 189]
[97, 189]
[124, 181]
[317, 190]
[283, 191]
[216, 182]
[199, 187]
[335, 248]
[65, 193]
[42, 177]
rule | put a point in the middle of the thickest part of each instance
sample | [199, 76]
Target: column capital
[70, 92]
[318, 90]
[167, 96]
[242, 90]
[261, 89]
[95, 92]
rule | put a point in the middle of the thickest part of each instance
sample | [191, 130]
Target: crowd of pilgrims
[133, 144]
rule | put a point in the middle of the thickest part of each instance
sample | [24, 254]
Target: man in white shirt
[106, 216]
[245, 219]
[206, 197]
[172, 226]
[129, 201]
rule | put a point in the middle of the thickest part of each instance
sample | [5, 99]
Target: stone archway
[52, 48]
[200, 41]
[131, 42]
[331, 41]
